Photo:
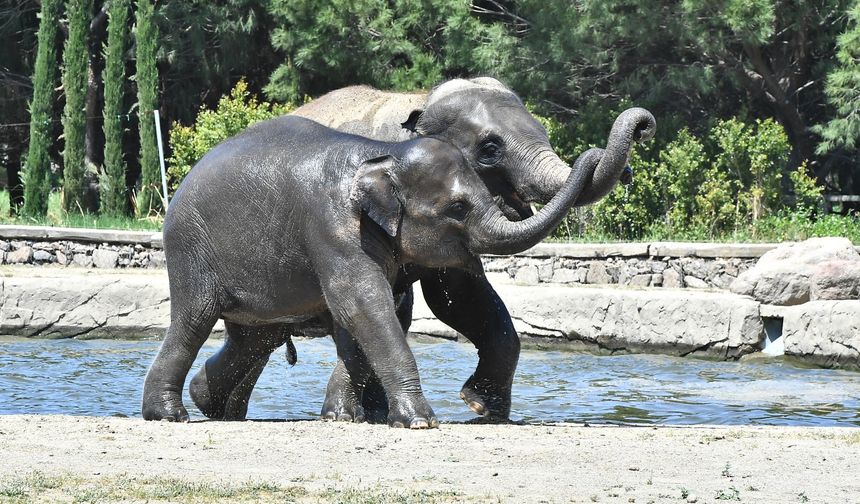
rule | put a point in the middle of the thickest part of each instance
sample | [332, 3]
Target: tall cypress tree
[112, 188]
[146, 38]
[37, 171]
[75, 57]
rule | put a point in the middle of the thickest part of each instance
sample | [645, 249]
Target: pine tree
[843, 90]
[37, 171]
[112, 186]
[146, 39]
[75, 57]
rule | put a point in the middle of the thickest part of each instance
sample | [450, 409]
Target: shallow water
[105, 378]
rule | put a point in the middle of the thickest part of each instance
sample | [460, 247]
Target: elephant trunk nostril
[626, 175]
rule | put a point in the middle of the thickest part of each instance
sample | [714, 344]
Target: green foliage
[75, 56]
[807, 193]
[233, 114]
[112, 186]
[705, 188]
[843, 90]
[146, 41]
[405, 45]
[37, 170]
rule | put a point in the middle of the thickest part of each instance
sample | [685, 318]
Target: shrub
[233, 114]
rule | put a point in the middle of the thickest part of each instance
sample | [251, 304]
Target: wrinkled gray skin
[511, 153]
[334, 222]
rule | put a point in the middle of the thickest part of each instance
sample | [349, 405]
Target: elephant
[511, 153]
[335, 222]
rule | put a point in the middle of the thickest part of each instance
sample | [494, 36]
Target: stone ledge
[586, 250]
[42, 233]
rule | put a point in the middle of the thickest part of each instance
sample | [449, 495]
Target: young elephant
[291, 220]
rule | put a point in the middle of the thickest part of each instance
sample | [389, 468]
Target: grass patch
[59, 218]
[39, 488]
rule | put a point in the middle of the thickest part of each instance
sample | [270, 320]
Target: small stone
[658, 266]
[43, 256]
[43, 246]
[82, 260]
[61, 258]
[692, 499]
[21, 256]
[545, 272]
[527, 275]
[695, 283]
[656, 280]
[4, 246]
[723, 281]
[156, 259]
[597, 274]
[672, 279]
[641, 280]
[565, 275]
[106, 259]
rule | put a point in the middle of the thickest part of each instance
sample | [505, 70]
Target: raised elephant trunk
[495, 234]
[633, 125]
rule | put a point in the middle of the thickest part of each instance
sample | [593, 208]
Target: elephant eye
[457, 210]
[489, 153]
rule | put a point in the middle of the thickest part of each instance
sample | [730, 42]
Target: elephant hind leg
[192, 319]
[223, 387]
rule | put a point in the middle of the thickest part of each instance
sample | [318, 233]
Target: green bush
[233, 114]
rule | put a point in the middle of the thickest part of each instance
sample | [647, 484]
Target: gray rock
[4, 246]
[21, 256]
[565, 275]
[43, 256]
[672, 279]
[597, 274]
[656, 280]
[527, 275]
[826, 333]
[641, 280]
[61, 258]
[832, 280]
[657, 266]
[104, 258]
[782, 276]
[156, 259]
[545, 271]
[695, 283]
[723, 281]
[82, 260]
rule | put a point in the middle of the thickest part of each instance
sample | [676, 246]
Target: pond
[105, 378]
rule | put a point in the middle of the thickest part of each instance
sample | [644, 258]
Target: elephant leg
[470, 305]
[222, 388]
[193, 314]
[354, 393]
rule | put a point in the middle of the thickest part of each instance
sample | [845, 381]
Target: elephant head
[439, 211]
[510, 149]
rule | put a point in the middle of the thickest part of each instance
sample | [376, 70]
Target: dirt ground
[90, 459]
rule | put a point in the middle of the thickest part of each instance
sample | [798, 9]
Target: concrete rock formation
[794, 273]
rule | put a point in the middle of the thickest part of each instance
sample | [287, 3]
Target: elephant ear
[374, 191]
[411, 123]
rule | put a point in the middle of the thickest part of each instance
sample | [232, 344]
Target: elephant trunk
[495, 234]
[633, 125]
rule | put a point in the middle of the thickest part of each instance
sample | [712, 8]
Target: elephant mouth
[508, 199]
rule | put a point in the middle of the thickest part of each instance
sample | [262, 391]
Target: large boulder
[794, 273]
[826, 333]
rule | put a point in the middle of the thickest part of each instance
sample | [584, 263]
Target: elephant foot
[487, 398]
[413, 412]
[342, 400]
[166, 406]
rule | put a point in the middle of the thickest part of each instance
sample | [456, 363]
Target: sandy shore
[57, 458]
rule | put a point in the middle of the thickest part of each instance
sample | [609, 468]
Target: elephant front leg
[354, 393]
[368, 314]
[470, 305]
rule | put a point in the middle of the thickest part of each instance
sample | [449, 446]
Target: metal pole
[161, 156]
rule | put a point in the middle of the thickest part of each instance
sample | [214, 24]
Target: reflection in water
[106, 377]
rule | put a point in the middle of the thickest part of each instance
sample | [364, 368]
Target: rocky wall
[669, 272]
